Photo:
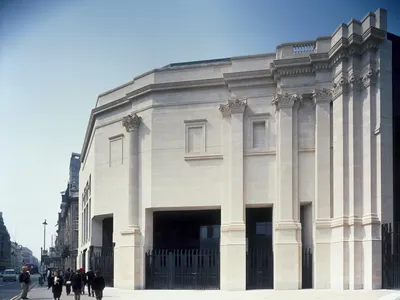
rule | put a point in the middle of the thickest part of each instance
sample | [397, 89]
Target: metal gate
[307, 268]
[197, 269]
[104, 262]
[391, 256]
[260, 267]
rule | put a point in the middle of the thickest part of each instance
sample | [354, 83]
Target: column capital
[340, 87]
[369, 77]
[131, 122]
[233, 106]
[285, 100]
[322, 95]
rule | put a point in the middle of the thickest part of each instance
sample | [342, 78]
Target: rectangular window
[195, 136]
[116, 152]
[195, 139]
[259, 137]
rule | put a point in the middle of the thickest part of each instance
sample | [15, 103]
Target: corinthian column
[233, 229]
[131, 124]
[287, 228]
[322, 203]
[131, 252]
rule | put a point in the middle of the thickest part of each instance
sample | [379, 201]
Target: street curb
[19, 295]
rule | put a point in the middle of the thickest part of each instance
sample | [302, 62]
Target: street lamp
[44, 242]
[44, 234]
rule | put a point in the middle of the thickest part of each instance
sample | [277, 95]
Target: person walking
[98, 285]
[48, 276]
[83, 280]
[89, 279]
[25, 280]
[56, 284]
[77, 284]
[67, 279]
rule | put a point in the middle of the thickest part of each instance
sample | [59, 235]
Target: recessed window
[116, 153]
[259, 137]
[195, 139]
[195, 136]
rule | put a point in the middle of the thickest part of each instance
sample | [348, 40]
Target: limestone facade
[308, 124]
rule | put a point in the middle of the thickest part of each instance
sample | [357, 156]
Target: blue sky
[57, 56]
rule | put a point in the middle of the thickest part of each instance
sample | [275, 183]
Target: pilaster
[322, 206]
[131, 246]
[287, 228]
[370, 220]
[355, 171]
[233, 229]
[340, 229]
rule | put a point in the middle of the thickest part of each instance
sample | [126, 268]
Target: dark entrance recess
[104, 260]
[391, 232]
[260, 268]
[391, 256]
[186, 250]
[396, 123]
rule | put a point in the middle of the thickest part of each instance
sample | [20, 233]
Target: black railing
[260, 268]
[391, 256]
[307, 268]
[196, 269]
[104, 262]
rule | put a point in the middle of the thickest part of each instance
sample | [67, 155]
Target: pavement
[41, 293]
[11, 290]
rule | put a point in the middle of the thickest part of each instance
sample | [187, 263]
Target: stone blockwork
[307, 124]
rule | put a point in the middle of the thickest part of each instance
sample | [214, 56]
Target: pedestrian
[67, 279]
[48, 276]
[83, 280]
[25, 280]
[89, 279]
[77, 284]
[56, 284]
[98, 285]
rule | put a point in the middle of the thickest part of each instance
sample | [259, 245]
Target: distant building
[16, 255]
[66, 245]
[5, 245]
[27, 255]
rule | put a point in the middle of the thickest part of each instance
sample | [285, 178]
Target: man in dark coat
[25, 280]
[89, 280]
[77, 282]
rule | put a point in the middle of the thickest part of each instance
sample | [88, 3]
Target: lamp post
[44, 234]
[44, 241]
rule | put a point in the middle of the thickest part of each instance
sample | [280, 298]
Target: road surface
[9, 289]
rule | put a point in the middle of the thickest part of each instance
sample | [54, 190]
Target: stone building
[304, 134]
[16, 256]
[66, 244]
[5, 245]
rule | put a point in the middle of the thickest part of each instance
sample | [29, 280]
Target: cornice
[170, 86]
[354, 45]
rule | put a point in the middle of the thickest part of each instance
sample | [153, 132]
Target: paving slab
[121, 294]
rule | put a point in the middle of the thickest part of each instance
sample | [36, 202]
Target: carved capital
[131, 122]
[355, 83]
[369, 77]
[323, 95]
[285, 100]
[235, 106]
[340, 87]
